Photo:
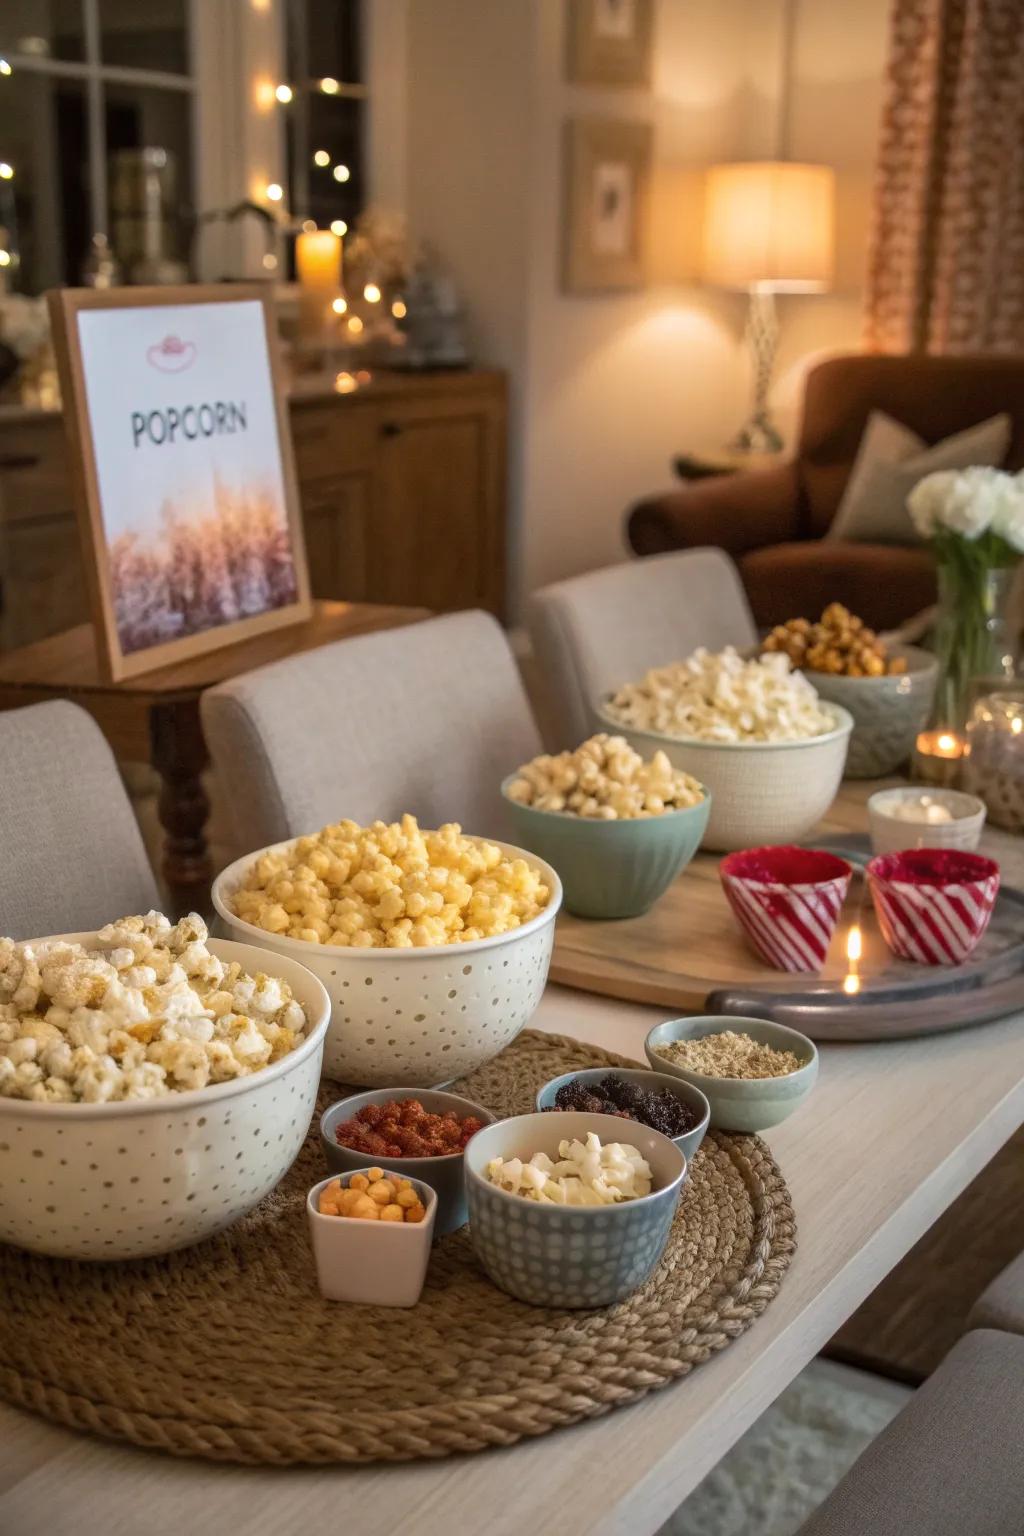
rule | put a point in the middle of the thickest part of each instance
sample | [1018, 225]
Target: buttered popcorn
[389, 886]
[724, 697]
[604, 779]
[147, 1012]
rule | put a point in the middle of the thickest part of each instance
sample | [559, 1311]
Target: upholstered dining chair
[71, 853]
[428, 718]
[594, 632]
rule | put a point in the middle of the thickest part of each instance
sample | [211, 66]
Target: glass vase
[994, 763]
[974, 642]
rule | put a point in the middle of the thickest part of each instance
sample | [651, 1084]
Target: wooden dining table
[154, 717]
[894, 1131]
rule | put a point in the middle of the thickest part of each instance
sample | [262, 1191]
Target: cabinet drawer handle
[390, 429]
[19, 461]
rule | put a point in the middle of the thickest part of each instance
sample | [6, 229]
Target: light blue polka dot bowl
[569, 1256]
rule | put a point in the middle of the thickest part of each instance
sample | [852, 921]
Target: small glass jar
[994, 762]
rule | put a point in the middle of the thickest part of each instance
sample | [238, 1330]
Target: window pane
[47, 29]
[149, 150]
[334, 127]
[145, 34]
[325, 38]
[44, 207]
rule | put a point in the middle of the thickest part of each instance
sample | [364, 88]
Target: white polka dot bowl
[569, 1256]
[145, 1176]
[761, 791]
[418, 1016]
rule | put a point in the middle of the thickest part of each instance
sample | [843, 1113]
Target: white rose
[1008, 518]
[962, 500]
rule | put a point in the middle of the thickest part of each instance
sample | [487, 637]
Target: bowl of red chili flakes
[418, 1132]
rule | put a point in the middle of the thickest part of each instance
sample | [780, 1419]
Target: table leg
[179, 757]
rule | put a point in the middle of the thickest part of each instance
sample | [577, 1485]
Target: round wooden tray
[687, 955]
[227, 1351]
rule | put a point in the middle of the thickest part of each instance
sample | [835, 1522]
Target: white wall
[606, 388]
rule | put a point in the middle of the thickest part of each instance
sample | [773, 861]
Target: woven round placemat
[226, 1350]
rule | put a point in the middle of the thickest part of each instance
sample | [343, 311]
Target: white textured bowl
[761, 791]
[145, 1176]
[417, 1016]
[891, 834]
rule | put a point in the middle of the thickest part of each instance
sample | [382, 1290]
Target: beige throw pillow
[890, 460]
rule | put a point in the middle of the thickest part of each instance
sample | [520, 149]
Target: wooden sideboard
[402, 484]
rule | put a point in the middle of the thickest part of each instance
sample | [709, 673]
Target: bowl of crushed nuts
[753, 1073]
[887, 688]
[154, 1085]
[617, 828]
[434, 947]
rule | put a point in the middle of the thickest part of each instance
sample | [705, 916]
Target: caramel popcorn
[840, 643]
[389, 886]
[606, 780]
[149, 1011]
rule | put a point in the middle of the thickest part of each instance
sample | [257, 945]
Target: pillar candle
[318, 264]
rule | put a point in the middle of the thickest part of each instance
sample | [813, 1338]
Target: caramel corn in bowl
[434, 947]
[371, 1233]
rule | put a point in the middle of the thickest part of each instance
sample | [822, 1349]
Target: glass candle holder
[993, 767]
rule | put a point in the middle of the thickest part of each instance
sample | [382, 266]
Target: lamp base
[758, 435]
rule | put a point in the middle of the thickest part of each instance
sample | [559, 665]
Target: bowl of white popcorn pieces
[154, 1085]
[573, 1209]
[751, 729]
[617, 828]
[434, 947]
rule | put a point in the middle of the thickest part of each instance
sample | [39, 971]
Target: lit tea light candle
[854, 950]
[318, 264]
[938, 756]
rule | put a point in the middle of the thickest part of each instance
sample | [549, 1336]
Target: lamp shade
[769, 224]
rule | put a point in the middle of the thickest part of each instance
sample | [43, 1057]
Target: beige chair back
[595, 632]
[71, 853]
[428, 718]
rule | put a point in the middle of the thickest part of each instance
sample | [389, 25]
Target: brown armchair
[773, 521]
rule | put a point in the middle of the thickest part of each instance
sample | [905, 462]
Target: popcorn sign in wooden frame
[182, 465]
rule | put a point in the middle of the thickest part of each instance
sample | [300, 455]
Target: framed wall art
[607, 186]
[182, 463]
[610, 42]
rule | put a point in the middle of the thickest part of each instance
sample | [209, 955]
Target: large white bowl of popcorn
[751, 729]
[106, 1150]
[434, 947]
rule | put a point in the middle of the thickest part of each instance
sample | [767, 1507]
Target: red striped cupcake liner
[787, 901]
[933, 904]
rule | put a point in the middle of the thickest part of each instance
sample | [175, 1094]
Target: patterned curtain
[946, 262]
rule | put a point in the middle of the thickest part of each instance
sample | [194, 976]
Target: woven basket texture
[226, 1350]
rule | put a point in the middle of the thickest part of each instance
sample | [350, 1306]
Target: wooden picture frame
[610, 42]
[185, 514]
[607, 204]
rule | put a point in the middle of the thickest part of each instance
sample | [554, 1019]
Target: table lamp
[768, 229]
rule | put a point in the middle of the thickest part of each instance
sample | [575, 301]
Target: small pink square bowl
[933, 904]
[787, 900]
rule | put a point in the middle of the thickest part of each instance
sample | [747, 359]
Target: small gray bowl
[569, 1256]
[443, 1174]
[888, 712]
[740, 1103]
[691, 1097]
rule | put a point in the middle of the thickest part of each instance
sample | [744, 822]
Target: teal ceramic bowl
[692, 1097]
[741, 1103]
[610, 869]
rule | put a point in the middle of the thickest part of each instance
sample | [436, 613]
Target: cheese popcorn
[724, 697]
[148, 1012]
[388, 887]
[605, 780]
